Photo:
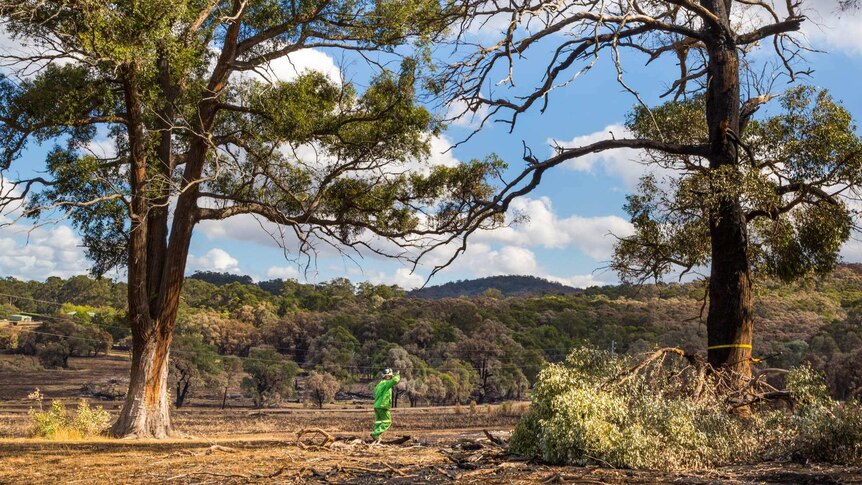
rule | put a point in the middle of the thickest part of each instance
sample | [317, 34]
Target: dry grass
[241, 445]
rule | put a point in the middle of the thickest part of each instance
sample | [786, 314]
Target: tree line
[482, 348]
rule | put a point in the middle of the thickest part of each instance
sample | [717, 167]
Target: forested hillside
[502, 285]
[452, 349]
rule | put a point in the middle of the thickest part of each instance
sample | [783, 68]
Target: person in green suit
[382, 403]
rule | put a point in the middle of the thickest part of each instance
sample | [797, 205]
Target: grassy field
[243, 445]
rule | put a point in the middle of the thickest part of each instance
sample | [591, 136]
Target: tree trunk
[146, 412]
[182, 392]
[156, 266]
[729, 322]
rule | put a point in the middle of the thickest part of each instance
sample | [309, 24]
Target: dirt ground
[242, 445]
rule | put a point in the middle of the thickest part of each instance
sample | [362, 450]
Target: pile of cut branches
[672, 411]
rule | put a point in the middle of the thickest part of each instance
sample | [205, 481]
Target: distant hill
[508, 285]
[220, 279]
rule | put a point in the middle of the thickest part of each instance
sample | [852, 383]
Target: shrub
[56, 424]
[8, 339]
[823, 430]
[54, 354]
[270, 376]
[90, 421]
[320, 388]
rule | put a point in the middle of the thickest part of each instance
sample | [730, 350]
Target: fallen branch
[493, 439]
[394, 470]
[650, 358]
[224, 449]
[273, 474]
[765, 397]
[327, 438]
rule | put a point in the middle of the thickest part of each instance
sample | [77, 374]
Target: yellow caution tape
[729, 346]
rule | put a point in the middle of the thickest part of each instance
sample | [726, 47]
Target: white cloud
[441, 152]
[246, 227]
[482, 259]
[594, 236]
[828, 28]
[26, 48]
[458, 113]
[290, 67]
[852, 250]
[30, 252]
[402, 277]
[577, 281]
[214, 260]
[621, 163]
[102, 148]
[283, 272]
[51, 251]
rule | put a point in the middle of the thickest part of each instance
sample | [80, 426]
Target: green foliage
[578, 417]
[56, 424]
[182, 63]
[53, 354]
[822, 430]
[56, 341]
[334, 351]
[270, 376]
[6, 310]
[352, 329]
[193, 365]
[796, 217]
[592, 409]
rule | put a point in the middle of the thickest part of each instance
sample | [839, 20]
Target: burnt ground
[242, 445]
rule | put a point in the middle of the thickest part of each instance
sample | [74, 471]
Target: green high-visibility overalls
[382, 403]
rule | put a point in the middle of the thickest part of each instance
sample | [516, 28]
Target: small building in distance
[20, 321]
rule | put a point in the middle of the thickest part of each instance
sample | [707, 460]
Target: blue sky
[572, 215]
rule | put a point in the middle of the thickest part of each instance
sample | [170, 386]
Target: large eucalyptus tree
[793, 178]
[196, 136]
